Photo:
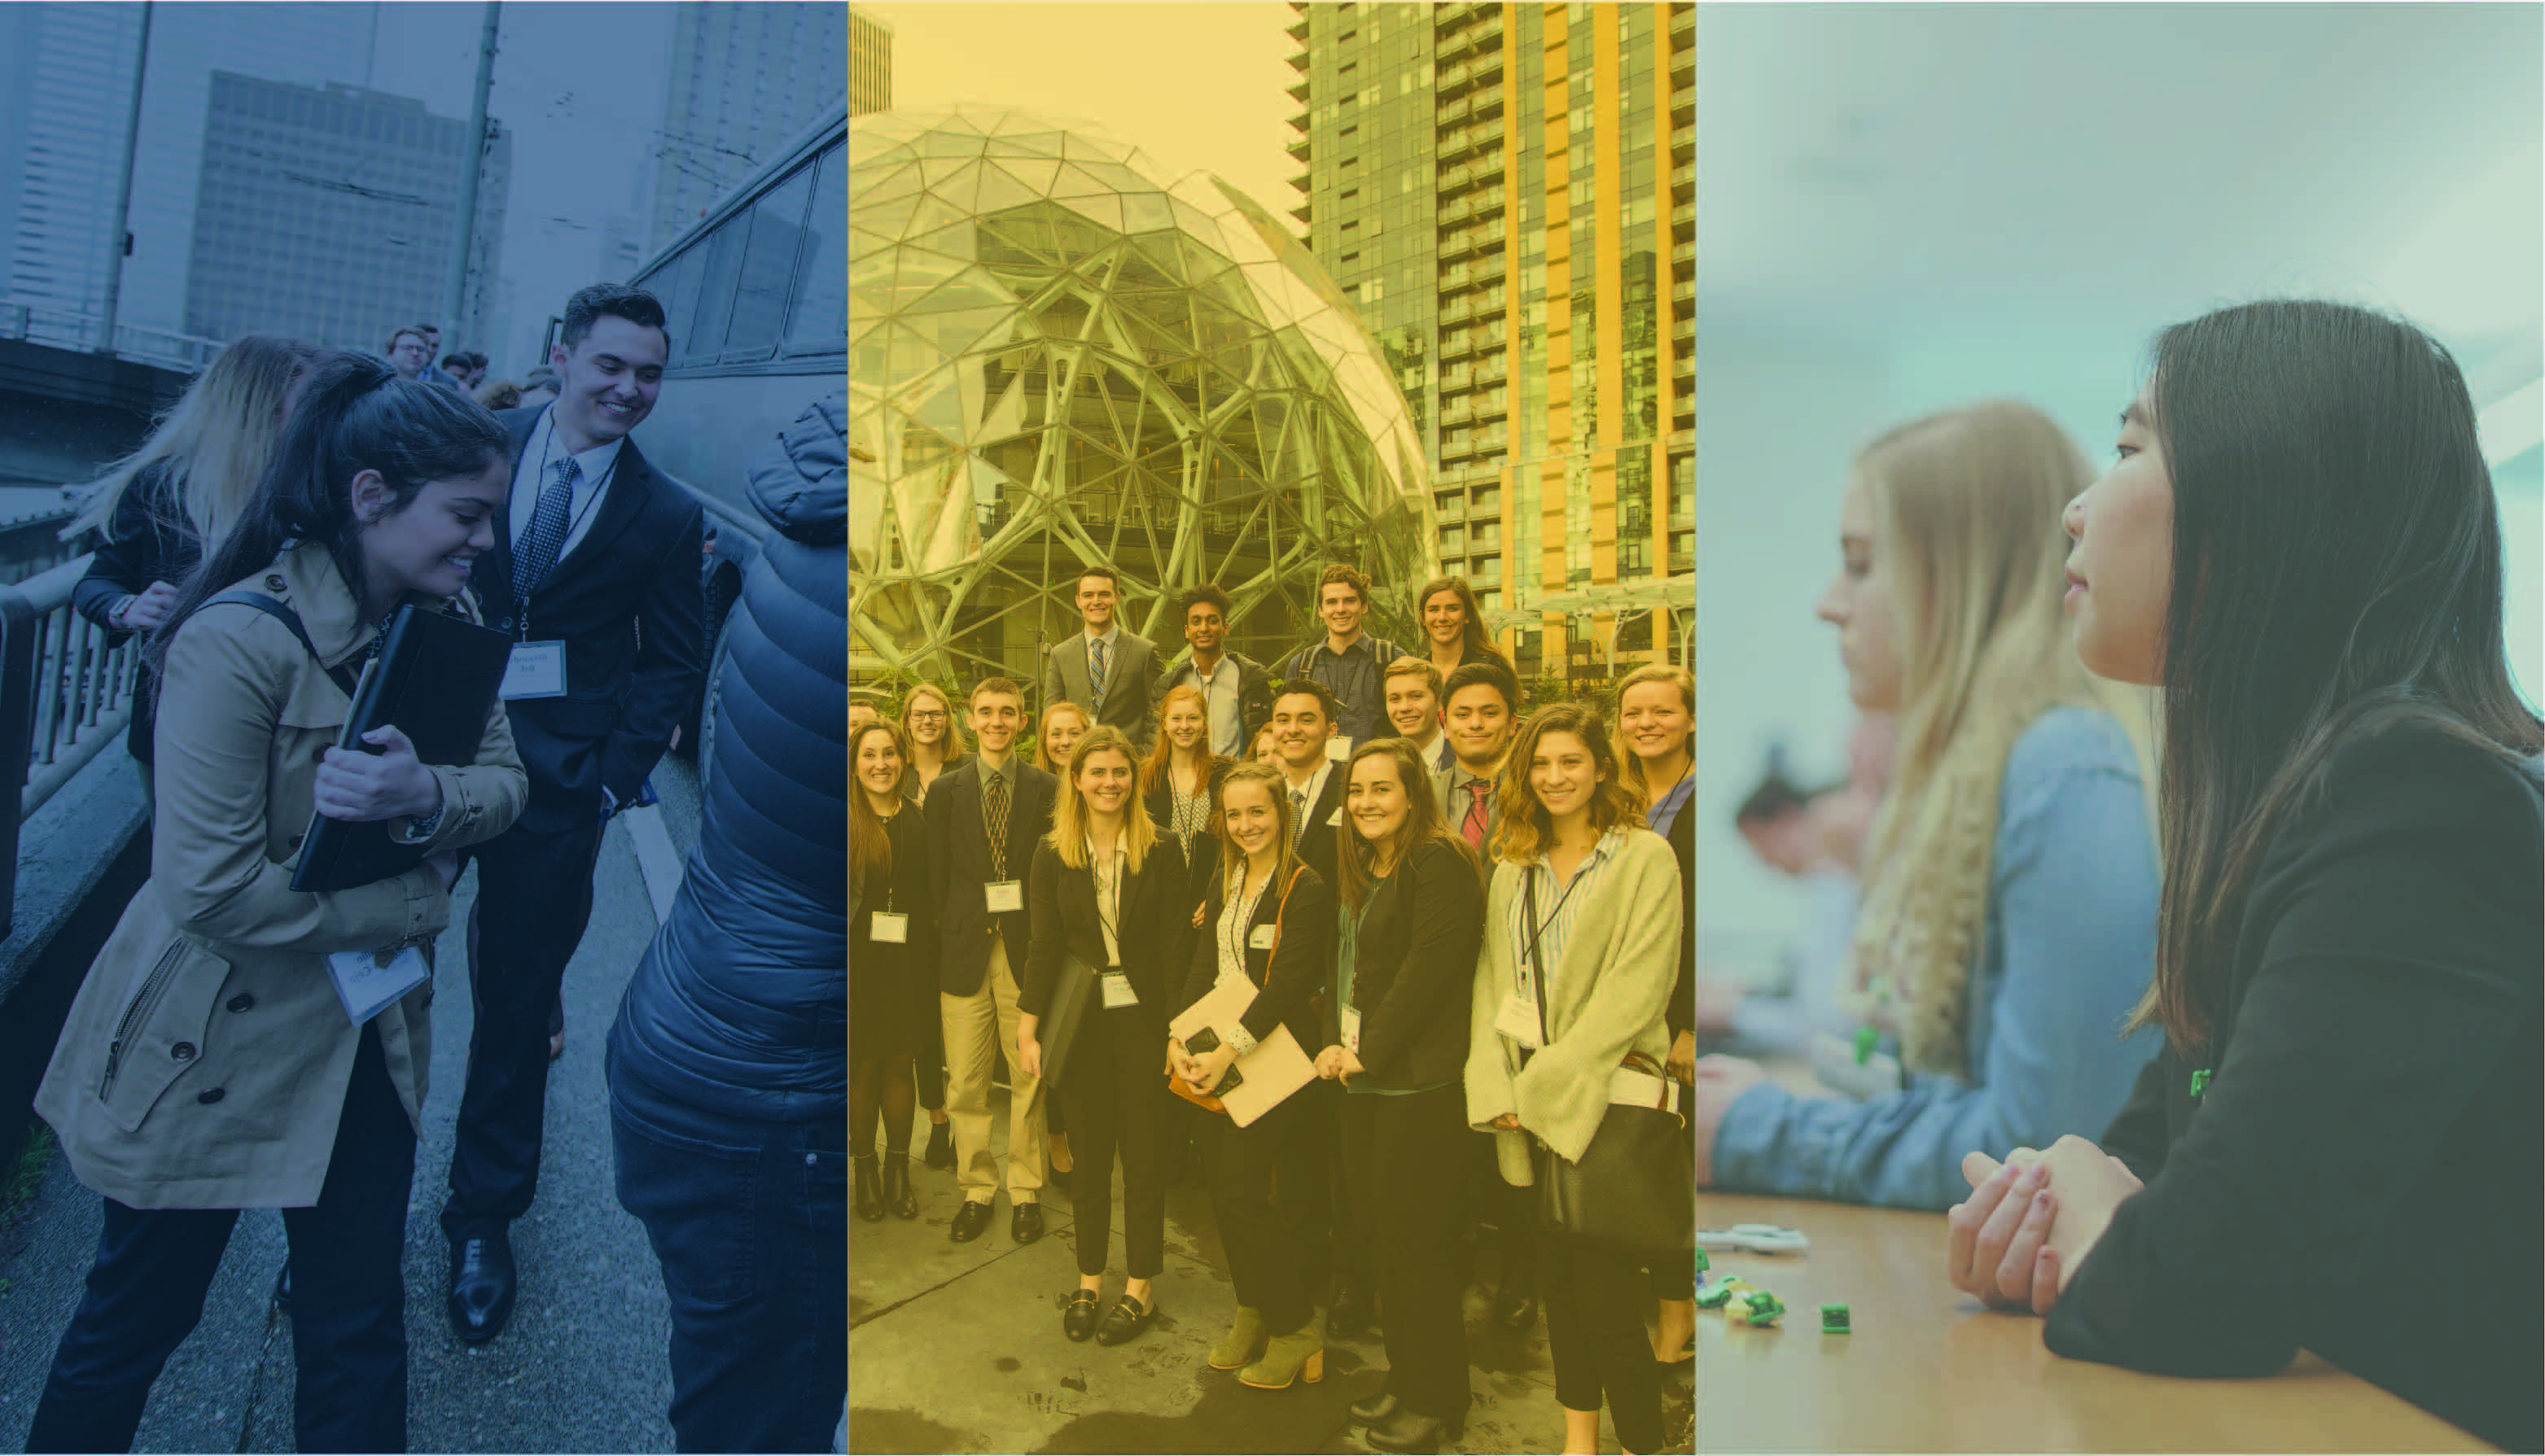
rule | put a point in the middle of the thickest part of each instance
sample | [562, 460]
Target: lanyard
[1242, 919]
[1096, 874]
[1528, 904]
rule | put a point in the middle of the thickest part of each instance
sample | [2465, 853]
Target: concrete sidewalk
[581, 1367]
[958, 1347]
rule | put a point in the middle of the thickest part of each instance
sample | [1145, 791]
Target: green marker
[1867, 1038]
[1833, 1318]
[2199, 1082]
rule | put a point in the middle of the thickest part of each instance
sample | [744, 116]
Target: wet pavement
[957, 1347]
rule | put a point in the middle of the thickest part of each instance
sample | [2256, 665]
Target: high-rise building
[1508, 192]
[869, 63]
[331, 214]
[745, 80]
[66, 75]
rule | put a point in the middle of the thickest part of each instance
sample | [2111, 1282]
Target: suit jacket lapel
[630, 486]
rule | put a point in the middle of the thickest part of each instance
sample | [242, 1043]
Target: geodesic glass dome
[1058, 358]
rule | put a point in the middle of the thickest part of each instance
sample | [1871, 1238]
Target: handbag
[1207, 1100]
[1634, 1191]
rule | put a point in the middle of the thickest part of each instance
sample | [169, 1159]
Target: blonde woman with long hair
[936, 735]
[162, 507]
[2010, 909]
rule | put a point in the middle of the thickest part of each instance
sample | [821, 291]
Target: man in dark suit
[595, 576]
[983, 818]
[1309, 752]
[1106, 669]
[1237, 693]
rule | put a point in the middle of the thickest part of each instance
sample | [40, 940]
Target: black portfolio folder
[435, 680]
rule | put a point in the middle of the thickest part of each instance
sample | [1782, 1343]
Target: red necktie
[1474, 828]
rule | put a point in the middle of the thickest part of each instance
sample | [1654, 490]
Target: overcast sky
[581, 87]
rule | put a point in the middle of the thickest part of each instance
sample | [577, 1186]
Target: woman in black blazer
[1105, 891]
[1269, 921]
[1407, 933]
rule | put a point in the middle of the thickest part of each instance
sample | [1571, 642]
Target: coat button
[209, 1095]
[241, 1002]
[183, 1051]
[276, 582]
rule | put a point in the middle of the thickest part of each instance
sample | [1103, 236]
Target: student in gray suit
[1106, 669]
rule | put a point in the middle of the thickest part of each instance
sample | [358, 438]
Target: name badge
[534, 670]
[1339, 748]
[1519, 1021]
[1006, 896]
[890, 929]
[368, 980]
[1260, 938]
[1117, 992]
[1352, 1030]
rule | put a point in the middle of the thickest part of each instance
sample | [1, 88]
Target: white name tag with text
[534, 670]
[890, 929]
[1260, 938]
[368, 980]
[1519, 1021]
[1339, 748]
[1006, 897]
[1352, 1030]
[1117, 992]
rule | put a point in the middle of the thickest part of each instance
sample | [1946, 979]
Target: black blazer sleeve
[1202, 964]
[136, 551]
[1681, 1015]
[2137, 1135]
[670, 663]
[1436, 979]
[1297, 965]
[1051, 937]
[2382, 1067]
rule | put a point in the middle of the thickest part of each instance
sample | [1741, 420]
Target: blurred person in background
[500, 394]
[158, 508]
[409, 354]
[727, 1064]
[538, 388]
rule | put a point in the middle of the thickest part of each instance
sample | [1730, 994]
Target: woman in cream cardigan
[1584, 894]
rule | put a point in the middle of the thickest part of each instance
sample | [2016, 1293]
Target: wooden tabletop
[1928, 1368]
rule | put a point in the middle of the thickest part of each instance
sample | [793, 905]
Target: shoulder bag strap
[344, 676]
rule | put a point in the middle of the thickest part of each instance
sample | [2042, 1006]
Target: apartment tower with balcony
[1507, 191]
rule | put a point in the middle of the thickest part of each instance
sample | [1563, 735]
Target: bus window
[676, 287]
[821, 317]
[723, 251]
[768, 262]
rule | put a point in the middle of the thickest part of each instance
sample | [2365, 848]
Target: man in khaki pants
[983, 820]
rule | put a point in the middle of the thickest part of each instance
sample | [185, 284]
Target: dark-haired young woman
[185, 486]
[1411, 913]
[208, 1064]
[2300, 545]
[1453, 626]
[891, 945]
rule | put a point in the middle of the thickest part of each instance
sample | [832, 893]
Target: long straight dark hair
[354, 415]
[2337, 574]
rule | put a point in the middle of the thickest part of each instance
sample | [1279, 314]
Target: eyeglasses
[926, 716]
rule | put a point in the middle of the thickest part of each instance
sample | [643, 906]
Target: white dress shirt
[539, 455]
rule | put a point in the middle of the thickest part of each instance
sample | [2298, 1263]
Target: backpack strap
[345, 677]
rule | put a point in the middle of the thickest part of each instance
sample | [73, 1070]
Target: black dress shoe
[869, 1191]
[1348, 1315]
[1078, 1321]
[941, 1145]
[969, 1222]
[1406, 1430]
[1126, 1320]
[897, 1196]
[1372, 1408]
[282, 1289]
[482, 1285]
[1056, 1177]
[1026, 1225]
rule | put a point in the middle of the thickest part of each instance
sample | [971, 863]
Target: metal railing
[65, 694]
[66, 328]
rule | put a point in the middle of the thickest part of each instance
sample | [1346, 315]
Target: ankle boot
[869, 1197]
[1297, 1355]
[941, 1144]
[1240, 1345]
[896, 1187]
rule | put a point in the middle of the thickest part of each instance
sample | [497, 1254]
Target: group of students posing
[2291, 977]
[1389, 900]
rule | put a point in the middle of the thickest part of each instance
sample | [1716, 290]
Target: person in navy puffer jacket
[729, 1062]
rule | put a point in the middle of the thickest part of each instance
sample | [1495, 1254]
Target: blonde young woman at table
[1583, 892]
[2299, 543]
[1267, 921]
[929, 725]
[2012, 894]
[1406, 932]
[1105, 891]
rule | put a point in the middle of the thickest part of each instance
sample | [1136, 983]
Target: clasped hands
[2032, 1220]
[1201, 1072]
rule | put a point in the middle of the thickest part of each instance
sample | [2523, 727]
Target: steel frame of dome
[1057, 359]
